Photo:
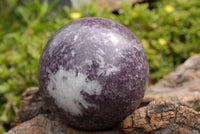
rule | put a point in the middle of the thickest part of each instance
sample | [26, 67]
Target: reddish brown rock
[31, 105]
[181, 86]
[160, 116]
[49, 124]
[163, 117]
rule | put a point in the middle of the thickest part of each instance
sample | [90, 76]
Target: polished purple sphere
[93, 72]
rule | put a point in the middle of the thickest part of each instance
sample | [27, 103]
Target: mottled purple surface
[108, 54]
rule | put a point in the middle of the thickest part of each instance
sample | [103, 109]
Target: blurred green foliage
[168, 30]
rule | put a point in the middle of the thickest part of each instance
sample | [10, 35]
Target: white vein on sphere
[66, 86]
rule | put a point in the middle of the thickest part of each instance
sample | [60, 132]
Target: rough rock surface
[167, 108]
[49, 124]
[181, 86]
[31, 105]
[163, 117]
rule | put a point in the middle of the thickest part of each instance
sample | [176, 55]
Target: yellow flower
[135, 14]
[31, 31]
[75, 15]
[192, 53]
[162, 41]
[169, 8]
[176, 18]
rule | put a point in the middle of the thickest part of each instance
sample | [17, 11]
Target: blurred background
[168, 30]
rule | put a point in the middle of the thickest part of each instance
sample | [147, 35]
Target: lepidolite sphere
[93, 72]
